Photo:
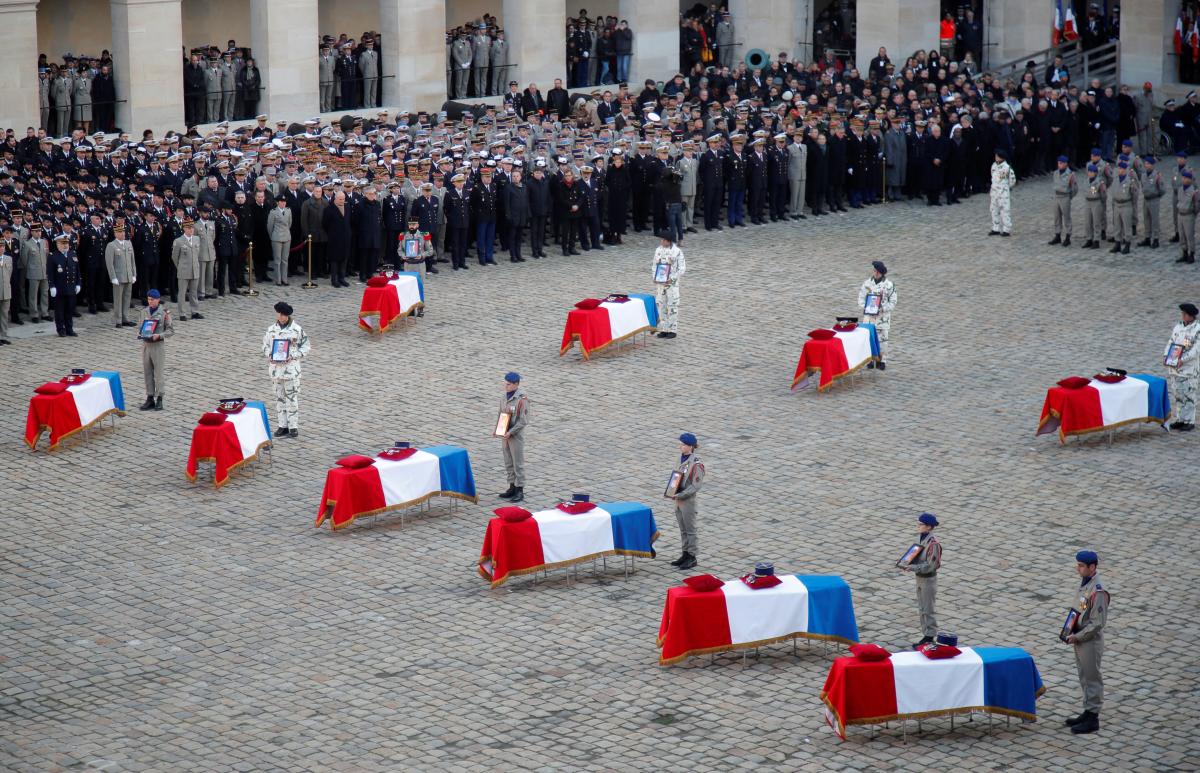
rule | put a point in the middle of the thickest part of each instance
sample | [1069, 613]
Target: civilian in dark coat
[817, 181]
[368, 233]
[539, 210]
[260, 209]
[516, 211]
[104, 99]
[336, 224]
[935, 171]
[837, 170]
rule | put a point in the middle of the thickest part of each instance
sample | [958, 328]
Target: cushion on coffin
[821, 334]
[846, 328]
[939, 651]
[1109, 378]
[869, 652]
[575, 508]
[758, 583]
[1074, 382]
[512, 514]
[51, 388]
[377, 281]
[703, 582]
[588, 303]
[396, 454]
[212, 418]
[75, 378]
[355, 461]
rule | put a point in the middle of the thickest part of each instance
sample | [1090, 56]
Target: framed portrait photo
[673, 483]
[662, 273]
[1174, 355]
[280, 349]
[1069, 624]
[909, 556]
[872, 304]
[148, 329]
[502, 424]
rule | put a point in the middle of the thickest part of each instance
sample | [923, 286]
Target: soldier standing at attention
[1088, 640]
[499, 61]
[481, 46]
[325, 69]
[712, 176]
[925, 567]
[1093, 202]
[35, 253]
[6, 297]
[687, 165]
[368, 68]
[516, 405]
[1003, 180]
[122, 268]
[883, 306]
[1124, 193]
[1181, 166]
[669, 266]
[1186, 208]
[1185, 376]
[691, 475]
[185, 255]
[1065, 189]
[1153, 188]
[797, 175]
[461, 56]
[154, 356]
[285, 344]
[64, 284]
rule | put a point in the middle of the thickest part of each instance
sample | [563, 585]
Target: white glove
[115, 282]
[78, 289]
[53, 292]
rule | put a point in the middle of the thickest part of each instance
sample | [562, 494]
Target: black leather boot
[1090, 724]
[688, 562]
[518, 495]
[149, 404]
[508, 492]
[158, 403]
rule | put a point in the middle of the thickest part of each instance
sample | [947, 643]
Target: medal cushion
[869, 652]
[231, 407]
[758, 583]
[939, 651]
[51, 388]
[703, 582]
[355, 461]
[1109, 378]
[588, 303]
[1074, 382]
[513, 514]
[377, 281]
[211, 419]
[846, 328]
[75, 378]
[821, 334]
[575, 508]
[397, 454]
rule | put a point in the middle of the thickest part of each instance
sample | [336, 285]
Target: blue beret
[1093, 168]
[154, 294]
[512, 377]
[1151, 160]
[1123, 157]
[928, 519]
[1095, 151]
[1186, 173]
[878, 266]
[1087, 557]
[1063, 159]
[1181, 154]
[1127, 143]
[688, 439]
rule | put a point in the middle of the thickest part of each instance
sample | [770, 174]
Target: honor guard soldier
[516, 406]
[925, 566]
[878, 311]
[122, 270]
[6, 298]
[1088, 640]
[64, 284]
[1153, 189]
[1187, 205]
[685, 483]
[1123, 193]
[669, 267]
[154, 328]
[285, 345]
[35, 256]
[1182, 359]
[185, 255]
[712, 182]
[1065, 188]
[1095, 191]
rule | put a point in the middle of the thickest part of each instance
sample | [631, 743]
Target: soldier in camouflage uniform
[1088, 641]
[1123, 195]
[1153, 188]
[1094, 193]
[879, 283]
[285, 375]
[1181, 166]
[1185, 377]
[691, 476]
[423, 252]
[1187, 204]
[1065, 188]
[1003, 180]
[666, 293]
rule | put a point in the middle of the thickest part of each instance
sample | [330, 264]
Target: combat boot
[1056, 240]
[158, 403]
[1067, 241]
[1090, 724]
[680, 560]
[518, 495]
[1115, 248]
[1075, 720]
[688, 562]
[508, 493]
[1125, 249]
[149, 404]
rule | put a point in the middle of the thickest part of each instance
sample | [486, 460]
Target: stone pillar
[772, 25]
[902, 26]
[284, 39]
[414, 52]
[1147, 34]
[655, 25]
[1014, 31]
[147, 49]
[18, 65]
[536, 32]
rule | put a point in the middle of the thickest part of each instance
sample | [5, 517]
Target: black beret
[284, 308]
[1188, 308]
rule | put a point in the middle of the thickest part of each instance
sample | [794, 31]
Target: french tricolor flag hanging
[1056, 32]
[1178, 35]
[1070, 28]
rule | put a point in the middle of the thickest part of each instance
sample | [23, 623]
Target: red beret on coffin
[939, 651]
[575, 508]
[212, 419]
[821, 334]
[396, 454]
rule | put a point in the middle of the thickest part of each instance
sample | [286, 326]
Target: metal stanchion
[310, 284]
[250, 291]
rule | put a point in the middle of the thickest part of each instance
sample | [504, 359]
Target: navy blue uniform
[65, 278]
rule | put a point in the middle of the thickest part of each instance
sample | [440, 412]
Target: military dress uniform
[285, 376]
[666, 294]
[325, 70]
[1003, 180]
[1154, 187]
[35, 253]
[925, 567]
[691, 478]
[154, 356]
[1123, 194]
[122, 270]
[1095, 191]
[185, 256]
[1184, 379]
[6, 298]
[65, 279]
[516, 405]
[887, 304]
[1187, 205]
[1065, 188]
[1091, 600]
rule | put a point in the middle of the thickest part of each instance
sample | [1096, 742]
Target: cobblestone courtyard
[152, 624]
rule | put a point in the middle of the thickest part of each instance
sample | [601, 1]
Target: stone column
[655, 25]
[536, 32]
[414, 51]
[1014, 31]
[1147, 34]
[902, 26]
[18, 65]
[285, 43]
[147, 49]
[772, 25]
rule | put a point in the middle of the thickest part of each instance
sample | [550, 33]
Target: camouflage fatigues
[1003, 180]
[887, 303]
[1092, 603]
[154, 356]
[666, 294]
[285, 376]
[1185, 379]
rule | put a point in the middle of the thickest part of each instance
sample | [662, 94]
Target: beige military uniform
[1153, 189]
[1065, 188]
[1092, 602]
[516, 405]
[33, 264]
[1094, 193]
[926, 569]
[154, 356]
[691, 472]
[185, 254]
[122, 270]
[1123, 193]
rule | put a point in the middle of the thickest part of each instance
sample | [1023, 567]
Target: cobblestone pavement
[150, 624]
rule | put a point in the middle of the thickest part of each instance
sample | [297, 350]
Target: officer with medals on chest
[1087, 637]
[685, 483]
[65, 284]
